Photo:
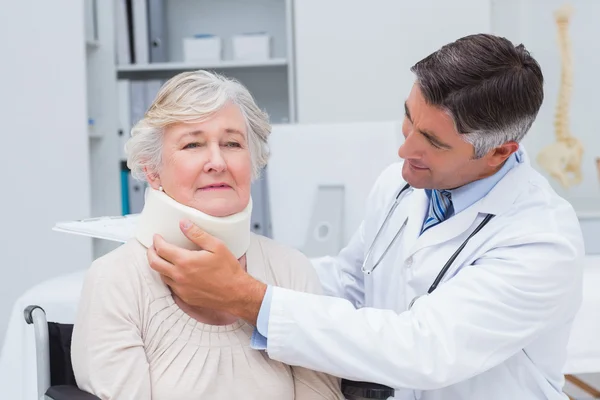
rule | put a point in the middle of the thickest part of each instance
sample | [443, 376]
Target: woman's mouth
[216, 186]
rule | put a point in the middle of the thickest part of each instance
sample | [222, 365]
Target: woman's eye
[233, 144]
[192, 145]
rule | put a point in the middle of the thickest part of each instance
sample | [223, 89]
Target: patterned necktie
[440, 208]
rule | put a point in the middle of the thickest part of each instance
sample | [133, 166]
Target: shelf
[176, 67]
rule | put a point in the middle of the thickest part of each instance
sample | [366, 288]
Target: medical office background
[71, 90]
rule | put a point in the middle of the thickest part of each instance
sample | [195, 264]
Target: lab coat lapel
[447, 230]
[417, 207]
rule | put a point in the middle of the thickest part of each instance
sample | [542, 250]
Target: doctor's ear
[498, 155]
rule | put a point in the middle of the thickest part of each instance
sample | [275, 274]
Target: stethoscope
[446, 267]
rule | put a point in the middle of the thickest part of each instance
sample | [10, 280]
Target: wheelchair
[56, 380]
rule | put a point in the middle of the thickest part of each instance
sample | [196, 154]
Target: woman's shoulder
[125, 267]
[284, 265]
[120, 261]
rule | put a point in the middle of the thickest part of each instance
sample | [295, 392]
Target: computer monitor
[319, 177]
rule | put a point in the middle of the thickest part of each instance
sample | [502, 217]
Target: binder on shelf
[122, 32]
[152, 88]
[157, 30]
[124, 107]
[137, 192]
[140, 31]
[125, 210]
[137, 99]
[91, 30]
[133, 192]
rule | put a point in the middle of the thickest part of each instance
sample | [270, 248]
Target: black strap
[366, 390]
[402, 190]
[440, 276]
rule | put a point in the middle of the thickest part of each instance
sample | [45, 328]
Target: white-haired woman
[201, 143]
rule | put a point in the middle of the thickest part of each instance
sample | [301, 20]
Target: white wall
[44, 146]
[531, 22]
[353, 57]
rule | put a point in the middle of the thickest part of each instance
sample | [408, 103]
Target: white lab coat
[497, 326]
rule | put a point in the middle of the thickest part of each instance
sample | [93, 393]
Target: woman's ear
[153, 179]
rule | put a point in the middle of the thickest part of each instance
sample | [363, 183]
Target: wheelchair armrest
[64, 392]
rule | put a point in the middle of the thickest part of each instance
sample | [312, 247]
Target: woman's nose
[216, 161]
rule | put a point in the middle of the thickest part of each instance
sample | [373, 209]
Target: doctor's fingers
[162, 266]
[169, 252]
[169, 282]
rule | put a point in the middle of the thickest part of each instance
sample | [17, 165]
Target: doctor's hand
[209, 278]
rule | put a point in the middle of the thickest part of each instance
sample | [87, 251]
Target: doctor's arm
[482, 316]
[107, 350]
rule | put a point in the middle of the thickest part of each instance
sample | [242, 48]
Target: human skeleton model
[562, 159]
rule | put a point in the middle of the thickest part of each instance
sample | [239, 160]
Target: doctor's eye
[434, 144]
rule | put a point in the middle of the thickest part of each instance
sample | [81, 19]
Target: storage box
[252, 46]
[202, 48]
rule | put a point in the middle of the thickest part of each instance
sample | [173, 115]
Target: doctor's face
[435, 154]
[207, 165]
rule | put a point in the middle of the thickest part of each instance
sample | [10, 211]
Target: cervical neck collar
[161, 215]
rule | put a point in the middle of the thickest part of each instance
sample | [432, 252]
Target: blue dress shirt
[462, 198]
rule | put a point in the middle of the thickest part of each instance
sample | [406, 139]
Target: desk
[59, 297]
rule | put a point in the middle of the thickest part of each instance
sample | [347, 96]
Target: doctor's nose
[410, 148]
[216, 161]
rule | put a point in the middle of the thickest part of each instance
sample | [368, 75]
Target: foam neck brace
[161, 215]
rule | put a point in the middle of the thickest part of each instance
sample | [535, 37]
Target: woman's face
[206, 165]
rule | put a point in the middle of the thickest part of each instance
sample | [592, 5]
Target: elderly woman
[199, 146]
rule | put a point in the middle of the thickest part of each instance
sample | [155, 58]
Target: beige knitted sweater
[132, 341]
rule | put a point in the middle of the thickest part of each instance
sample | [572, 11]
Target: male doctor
[422, 308]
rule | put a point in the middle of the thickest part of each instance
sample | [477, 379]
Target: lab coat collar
[496, 202]
[505, 193]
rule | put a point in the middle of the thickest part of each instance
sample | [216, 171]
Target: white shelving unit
[271, 82]
[184, 66]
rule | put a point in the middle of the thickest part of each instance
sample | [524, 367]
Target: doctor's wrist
[248, 299]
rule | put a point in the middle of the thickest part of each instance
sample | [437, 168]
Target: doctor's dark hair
[491, 88]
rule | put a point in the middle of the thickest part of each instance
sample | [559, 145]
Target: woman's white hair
[191, 97]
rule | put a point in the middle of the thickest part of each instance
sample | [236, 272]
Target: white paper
[117, 229]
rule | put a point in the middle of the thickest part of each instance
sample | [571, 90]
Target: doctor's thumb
[196, 235]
